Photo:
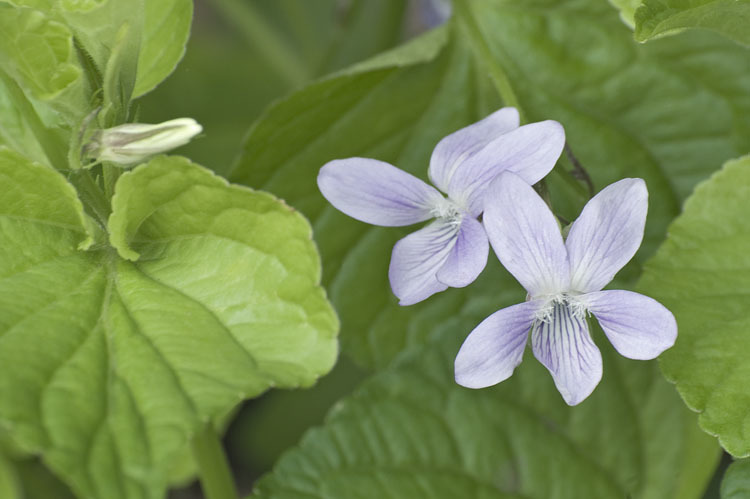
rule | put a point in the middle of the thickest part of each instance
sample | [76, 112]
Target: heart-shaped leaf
[110, 365]
[702, 273]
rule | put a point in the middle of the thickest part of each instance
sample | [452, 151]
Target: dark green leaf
[736, 482]
[410, 431]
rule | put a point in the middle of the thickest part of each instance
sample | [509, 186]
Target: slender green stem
[500, 80]
[213, 467]
[484, 54]
[246, 19]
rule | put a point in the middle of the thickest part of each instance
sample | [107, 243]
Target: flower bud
[134, 142]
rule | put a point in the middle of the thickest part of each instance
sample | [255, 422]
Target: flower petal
[638, 327]
[495, 347]
[564, 346]
[416, 260]
[525, 236]
[468, 257]
[455, 148]
[529, 151]
[376, 192]
[607, 234]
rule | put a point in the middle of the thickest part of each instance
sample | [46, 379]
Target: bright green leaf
[657, 18]
[38, 53]
[410, 431]
[13, 130]
[110, 365]
[702, 274]
[166, 28]
[665, 112]
[161, 29]
[736, 482]
[627, 10]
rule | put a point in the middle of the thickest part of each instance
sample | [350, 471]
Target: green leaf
[736, 482]
[9, 486]
[702, 274]
[26, 478]
[627, 10]
[222, 304]
[13, 130]
[657, 18]
[159, 31]
[38, 53]
[664, 112]
[410, 431]
[166, 28]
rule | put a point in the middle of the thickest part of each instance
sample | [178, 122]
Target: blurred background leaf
[410, 431]
[244, 54]
[736, 484]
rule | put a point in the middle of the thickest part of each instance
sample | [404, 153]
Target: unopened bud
[133, 142]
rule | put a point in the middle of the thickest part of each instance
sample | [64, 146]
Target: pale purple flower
[564, 281]
[452, 250]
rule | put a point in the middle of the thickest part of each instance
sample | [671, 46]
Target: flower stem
[213, 468]
[501, 82]
[484, 54]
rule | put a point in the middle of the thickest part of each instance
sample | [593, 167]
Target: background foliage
[324, 79]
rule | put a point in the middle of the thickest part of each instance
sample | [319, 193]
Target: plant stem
[213, 468]
[484, 54]
[502, 83]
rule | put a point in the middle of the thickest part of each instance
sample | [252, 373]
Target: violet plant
[564, 281]
[452, 250]
[159, 318]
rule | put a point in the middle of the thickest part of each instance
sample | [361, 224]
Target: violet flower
[564, 282]
[451, 251]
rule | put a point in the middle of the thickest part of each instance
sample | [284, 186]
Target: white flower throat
[448, 211]
[570, 302]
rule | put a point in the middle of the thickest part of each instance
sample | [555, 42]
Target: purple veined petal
[607, 234]
[564, 346]
[638, 327]
[495, 347]
[376, 192]
[525, 236]
[416, 260]
[455, 148]
[529, 151]
[468, 257]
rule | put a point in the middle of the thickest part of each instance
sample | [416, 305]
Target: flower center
[448, 211]
[575, 307]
